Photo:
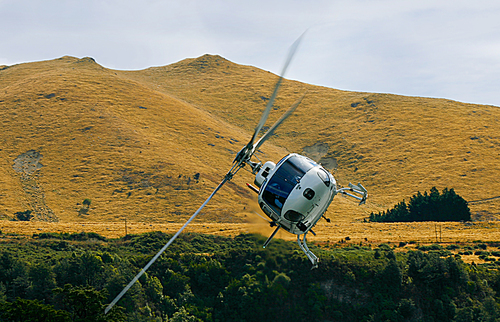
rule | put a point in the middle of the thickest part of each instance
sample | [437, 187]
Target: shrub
[430, 247]
[74, 236]
[23, 215]
[385, 247]
[441, 253]
[452, 247]
[86, 236]
[482, 246]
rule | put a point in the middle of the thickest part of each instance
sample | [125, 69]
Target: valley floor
[402, 236]
[354, 232]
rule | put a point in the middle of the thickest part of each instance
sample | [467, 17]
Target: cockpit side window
[284, 180]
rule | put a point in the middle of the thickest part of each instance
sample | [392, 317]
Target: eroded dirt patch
[28, 165]
[319, 153]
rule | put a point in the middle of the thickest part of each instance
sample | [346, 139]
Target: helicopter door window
[283, 181]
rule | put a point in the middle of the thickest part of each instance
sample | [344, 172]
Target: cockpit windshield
[284, 180]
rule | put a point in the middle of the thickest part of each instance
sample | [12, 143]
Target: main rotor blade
[143, 270]
[267, 220]
[270, 132]
[270, 103]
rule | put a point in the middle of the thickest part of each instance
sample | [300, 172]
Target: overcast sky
[432, 48]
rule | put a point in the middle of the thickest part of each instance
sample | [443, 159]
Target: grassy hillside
[395, 145]
[134, 152]
[151, 145]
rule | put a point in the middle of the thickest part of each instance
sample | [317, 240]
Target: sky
[431, 48]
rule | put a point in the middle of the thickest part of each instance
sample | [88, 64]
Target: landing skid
[303, 245]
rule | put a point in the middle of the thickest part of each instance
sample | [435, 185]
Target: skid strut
[271, 237]
[303, 245]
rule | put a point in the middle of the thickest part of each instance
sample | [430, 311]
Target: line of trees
[433, 206]
[209, 278]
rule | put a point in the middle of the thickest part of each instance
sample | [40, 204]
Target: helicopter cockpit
[295, 192]
[282, 182]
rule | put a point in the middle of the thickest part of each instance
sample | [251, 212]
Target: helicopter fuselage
[295, 192]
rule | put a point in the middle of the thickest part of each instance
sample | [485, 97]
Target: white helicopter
[294, 193]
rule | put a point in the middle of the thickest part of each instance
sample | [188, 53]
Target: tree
[86, 207]
[432, 206]
[183, 316]
[390, 279]
[23, 215]
[24, 310]
[86, 202]
[237, 297]
[85, 304]
[42, 282]
[86, 269]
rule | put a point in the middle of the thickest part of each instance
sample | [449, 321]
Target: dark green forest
[72, 277]
[432, 206]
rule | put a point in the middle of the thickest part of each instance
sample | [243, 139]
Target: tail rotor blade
[270, 132]
[143, 270]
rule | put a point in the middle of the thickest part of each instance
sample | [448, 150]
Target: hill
[74, 130]
[151, 145]
[395, 145]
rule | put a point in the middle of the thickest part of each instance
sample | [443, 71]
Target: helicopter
[294, 193]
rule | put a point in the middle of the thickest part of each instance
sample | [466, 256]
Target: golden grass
[129, 149]
[328, 234]
[376, 233]
[395, 145]
[132, 142]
